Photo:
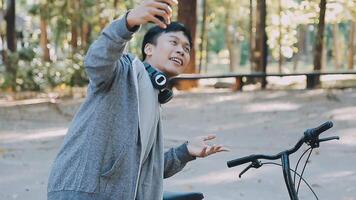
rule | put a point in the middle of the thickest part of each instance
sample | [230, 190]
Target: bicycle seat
[182, 196]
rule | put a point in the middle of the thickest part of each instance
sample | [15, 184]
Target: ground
[247, 123]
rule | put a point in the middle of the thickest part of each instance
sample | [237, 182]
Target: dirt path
[247, 123]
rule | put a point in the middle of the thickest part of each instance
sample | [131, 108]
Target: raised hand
[150, 11]
[199, 147]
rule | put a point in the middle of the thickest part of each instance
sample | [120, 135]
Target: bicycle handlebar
[250, 158]
[315, 132]
[309, 134]
[240, 161]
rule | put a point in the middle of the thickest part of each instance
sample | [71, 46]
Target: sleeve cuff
[118, 30]
[183, 153]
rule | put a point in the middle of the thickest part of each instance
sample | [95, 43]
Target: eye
[187, 49]
[173, 42]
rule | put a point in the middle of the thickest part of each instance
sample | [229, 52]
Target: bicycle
[311, 138]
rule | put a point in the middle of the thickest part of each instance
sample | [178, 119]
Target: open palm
[199, 147]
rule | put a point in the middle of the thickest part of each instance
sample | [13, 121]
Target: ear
[148, 49]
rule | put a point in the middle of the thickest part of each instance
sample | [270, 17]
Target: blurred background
[43, 42]
[43, 83]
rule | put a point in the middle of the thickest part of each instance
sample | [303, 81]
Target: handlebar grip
[314, 132]
[240, 161]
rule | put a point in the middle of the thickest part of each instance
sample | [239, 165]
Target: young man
[114, 145]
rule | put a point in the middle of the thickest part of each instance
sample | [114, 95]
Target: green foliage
[245, 53]
[34, 9]
[26, 54]
[30, 72]
[34, 74]
[216, 35]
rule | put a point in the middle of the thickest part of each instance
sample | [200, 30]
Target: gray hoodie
[100, 155]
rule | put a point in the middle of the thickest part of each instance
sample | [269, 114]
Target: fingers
[155, 11]
[160, 13]
[170, 2]
[203, 152]
[206, 151]
[209, 137]
[164, 7]
[213, 150]
[221, 149]
[155, 20]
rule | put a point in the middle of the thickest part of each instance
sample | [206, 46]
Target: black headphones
[160, 82]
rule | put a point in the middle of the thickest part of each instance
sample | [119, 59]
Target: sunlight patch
[339, 174]
[344, 114]
[348, 137]
[270, 107]
[38, 135]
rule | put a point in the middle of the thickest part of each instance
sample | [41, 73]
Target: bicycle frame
[287, 177]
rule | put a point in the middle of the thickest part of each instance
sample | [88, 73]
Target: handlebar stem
[287, 177]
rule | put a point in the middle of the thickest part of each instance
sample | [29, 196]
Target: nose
[180, 50]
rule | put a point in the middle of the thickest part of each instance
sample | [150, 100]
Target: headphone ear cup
[159, 80]
[164, 96]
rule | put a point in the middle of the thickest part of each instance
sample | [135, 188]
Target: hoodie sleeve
[102, 60]
[175, 160]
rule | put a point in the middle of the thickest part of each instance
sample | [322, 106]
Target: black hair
[153, 33]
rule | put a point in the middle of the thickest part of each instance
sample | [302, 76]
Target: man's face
[171, 54]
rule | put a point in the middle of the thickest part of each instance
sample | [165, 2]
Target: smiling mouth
[177, 60]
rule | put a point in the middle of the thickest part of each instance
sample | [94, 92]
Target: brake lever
[255, 164]
[329, 138]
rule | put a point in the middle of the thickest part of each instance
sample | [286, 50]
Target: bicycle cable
[296, 166]
[301, 178]
[306, 162]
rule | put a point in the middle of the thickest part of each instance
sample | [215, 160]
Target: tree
[352, 45]
[280, 59]
[261, 48]
[10, 25]
[230, 35]
[203, 38]
[319, 44]
[187, 15]
[337, 51]
[9, 58]
[251, 34]
[44, 16]
[74, 18]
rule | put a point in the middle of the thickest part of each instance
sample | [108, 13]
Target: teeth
[177, 60]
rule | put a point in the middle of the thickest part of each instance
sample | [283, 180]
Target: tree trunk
[203, 34]
[85, 34]
[74, 39]
[10, 25]
[252, 43]
[309, 45]
[44, 40]
[280, 60]
[116, 3]
[116, 6]
[187, 15]
[260, 52]
[74, 26]
[352, 45]
[301, 45]
[324, 57]
[207, 45]
[229, 36]
[10, 64]
[336, 49]
[319, 42]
